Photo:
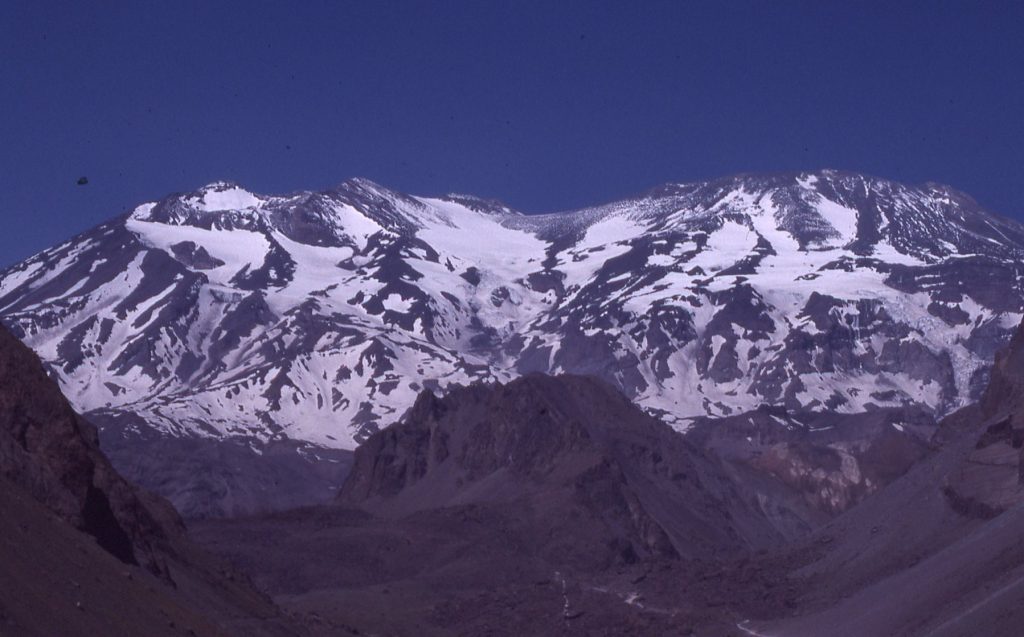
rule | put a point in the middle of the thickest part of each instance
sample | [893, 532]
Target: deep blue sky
[545, 105]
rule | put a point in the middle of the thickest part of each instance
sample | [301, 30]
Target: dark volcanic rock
[195, 256]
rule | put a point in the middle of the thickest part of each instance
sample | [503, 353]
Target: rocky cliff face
[85, 551]
[991, 478]
[49, 450]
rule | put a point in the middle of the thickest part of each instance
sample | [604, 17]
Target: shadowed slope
[84, 552]
[50, 451]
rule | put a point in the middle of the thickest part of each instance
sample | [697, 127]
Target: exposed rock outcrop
[991, 478]
[558, 445]
[806, 467]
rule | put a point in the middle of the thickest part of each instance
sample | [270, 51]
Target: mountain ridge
[318, 317]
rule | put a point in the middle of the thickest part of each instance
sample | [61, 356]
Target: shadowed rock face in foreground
[85, 552]
[51, 452]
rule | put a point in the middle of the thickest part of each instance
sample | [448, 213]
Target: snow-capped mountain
[318, 316]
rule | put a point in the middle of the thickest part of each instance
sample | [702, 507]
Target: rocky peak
[222, 205]
[524, 428]
[565, 443]
[481, 204]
